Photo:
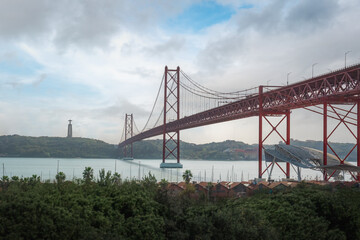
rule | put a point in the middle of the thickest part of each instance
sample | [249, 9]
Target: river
[202, 170]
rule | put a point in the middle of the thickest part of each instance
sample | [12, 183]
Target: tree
[116, 178]
[15, 178]
[150, 183]
[34, 179]
[104, 178]
[4, 182]
[187, 175]
[5, 179]
[164, 183]
[60, 177]
[88, 174]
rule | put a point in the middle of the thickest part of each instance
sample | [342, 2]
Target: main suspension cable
[204, 91]
[157, 96]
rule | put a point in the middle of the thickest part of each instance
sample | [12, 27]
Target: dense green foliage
[20, 146]
[109, 208]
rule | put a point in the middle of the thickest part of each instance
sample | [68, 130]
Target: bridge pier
[325, 138]
[358, 137]
[263, 115]
[342, 116]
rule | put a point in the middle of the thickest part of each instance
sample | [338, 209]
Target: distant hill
[227, 150]
[57, 147]
[20, 146]
[342, 149]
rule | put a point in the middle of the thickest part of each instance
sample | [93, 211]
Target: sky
[93, 61]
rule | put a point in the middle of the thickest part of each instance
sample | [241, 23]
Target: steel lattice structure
[340, 87]
[171, 139]
[129, 131]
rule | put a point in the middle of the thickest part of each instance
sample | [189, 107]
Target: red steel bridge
[183, 103]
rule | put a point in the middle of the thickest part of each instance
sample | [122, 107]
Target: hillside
[21, 146]
[342, 149]
[227, 150]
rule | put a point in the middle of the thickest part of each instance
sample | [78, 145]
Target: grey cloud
[88, 23]
[267, 19]
[223, 51]
[127, 48]
[14, 83]
[9, 56]
[173, 45]
[117, 111]
[310, 15]
[142, 72]
[281, 15]
[219, 54]
[271, 24]
[19, 82]
[39, 80]
[19, 18]
[11, 80]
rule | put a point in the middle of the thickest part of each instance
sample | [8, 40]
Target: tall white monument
[69, 135]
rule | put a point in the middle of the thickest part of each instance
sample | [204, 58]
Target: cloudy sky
[93, 61]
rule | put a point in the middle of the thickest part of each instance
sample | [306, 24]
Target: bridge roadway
[335, 87]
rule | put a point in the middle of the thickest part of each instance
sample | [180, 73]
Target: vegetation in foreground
[109, 208]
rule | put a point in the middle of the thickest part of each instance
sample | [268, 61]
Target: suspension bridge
[182, 103]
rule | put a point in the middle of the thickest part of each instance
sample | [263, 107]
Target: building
[239, 189]
[174, 189]
[220, 190]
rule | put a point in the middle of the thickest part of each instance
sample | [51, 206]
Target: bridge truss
[196, 105]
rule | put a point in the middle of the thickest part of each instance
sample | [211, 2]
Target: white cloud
[105, 59]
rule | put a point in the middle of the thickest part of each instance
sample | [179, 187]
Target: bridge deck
[335, 87]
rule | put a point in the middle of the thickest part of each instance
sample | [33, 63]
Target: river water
[202, 170]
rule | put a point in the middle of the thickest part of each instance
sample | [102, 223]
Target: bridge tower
[263, 115]
[171, 140]
[129, 131]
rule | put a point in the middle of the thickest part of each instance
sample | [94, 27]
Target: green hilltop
[57, 147]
